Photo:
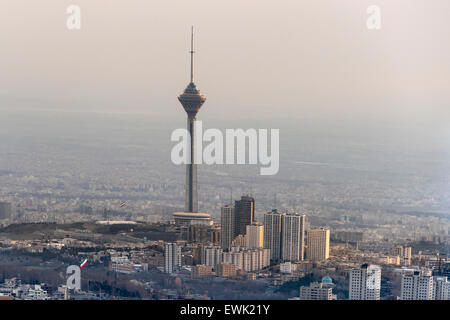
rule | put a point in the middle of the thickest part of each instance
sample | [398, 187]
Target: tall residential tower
[318, 244]
[365, 283]
[244, 214]
[293, 237]
[272, 234]
[227, 226]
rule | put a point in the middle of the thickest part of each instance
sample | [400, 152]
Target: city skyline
[94, 206]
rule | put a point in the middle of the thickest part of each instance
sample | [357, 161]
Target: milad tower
[191, 100]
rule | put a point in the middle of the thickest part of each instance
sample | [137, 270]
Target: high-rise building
[227, 226]
[284, 235]
[293, 237]
[365, 283]
[398, 251]
[417, 285]
[318, 244]
[255, 235]
[405, 254]
[5, 210]
[272, 234]
[234, 257]
[215, 235]
[255, 259]
[244, 213]
[172, 257]
[248, 260]
[211, 256]
[240, 241]
[441, 288]
[316, 291]
[197, 255]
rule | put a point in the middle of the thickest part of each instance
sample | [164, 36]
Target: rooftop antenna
[448, 249]
[192, 54]
[231, 196]
[439, 263]
[106, 215]
[275, 200]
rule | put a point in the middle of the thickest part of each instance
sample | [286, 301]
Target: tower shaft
[191, 202]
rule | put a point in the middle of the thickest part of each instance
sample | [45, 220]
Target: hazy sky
[254, 57]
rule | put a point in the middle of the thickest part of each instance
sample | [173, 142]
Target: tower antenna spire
[275, 200]
[192, 54]
[231, 195]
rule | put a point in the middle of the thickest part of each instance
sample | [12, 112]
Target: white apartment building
[316, 291]
[248, 260]
[211, 256]
[287, 267]
[234, 257]
[255, 259]
[441, 288]
[365, 283]
[417, 285]
[172, 257]
[293, 237]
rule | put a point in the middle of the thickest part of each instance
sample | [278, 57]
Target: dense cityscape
[93, 207]
[136, 241]
[236, 259]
